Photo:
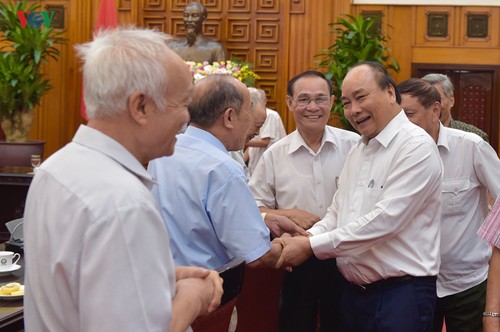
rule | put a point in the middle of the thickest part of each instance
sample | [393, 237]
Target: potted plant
[27, 43]
[357, 40]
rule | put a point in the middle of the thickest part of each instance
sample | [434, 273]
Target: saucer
[12, 268]
[12, 297]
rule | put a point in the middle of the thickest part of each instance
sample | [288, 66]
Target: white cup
[7, 259]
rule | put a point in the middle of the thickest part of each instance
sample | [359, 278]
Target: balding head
[221, 105]
[212, 95]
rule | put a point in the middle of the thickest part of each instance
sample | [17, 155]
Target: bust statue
[195, 46]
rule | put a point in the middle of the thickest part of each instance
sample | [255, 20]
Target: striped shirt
[490, 230]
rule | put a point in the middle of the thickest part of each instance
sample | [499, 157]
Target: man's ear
[436, 111]
[289, 101]
[229, 116]
[136, 106]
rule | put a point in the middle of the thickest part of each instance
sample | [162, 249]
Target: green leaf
[22, 81]
[356, 41]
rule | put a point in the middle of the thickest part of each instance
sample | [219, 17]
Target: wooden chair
[218, 321]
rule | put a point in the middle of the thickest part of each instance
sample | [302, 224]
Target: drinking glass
[36, 160]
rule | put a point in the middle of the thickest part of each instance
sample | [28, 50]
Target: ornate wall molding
[495, 3]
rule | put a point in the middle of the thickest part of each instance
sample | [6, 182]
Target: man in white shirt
[296, 177]
[97, 251]
[259, 115]
[271, 131]
[383, 224]
[471, 169]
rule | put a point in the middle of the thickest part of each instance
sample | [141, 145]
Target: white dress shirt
[273, 129]
[291, 175]
[96, 248]
[471, 169]
[384, 218]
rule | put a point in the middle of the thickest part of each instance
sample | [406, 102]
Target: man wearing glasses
[296, 178]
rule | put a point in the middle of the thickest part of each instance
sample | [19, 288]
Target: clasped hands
[294, 250]
[291, 241]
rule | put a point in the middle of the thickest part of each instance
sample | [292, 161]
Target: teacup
[7, 259]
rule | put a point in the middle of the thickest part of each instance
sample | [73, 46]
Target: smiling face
[367, 106]
[310, 117]
[169, 121]
[259, 116]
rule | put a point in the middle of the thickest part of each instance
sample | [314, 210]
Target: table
[12, 312]
[14, 185]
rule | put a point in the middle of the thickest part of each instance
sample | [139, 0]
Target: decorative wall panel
[477, 25]
[176, 26]
[437, 25]
[297, 7]
[240, 53]
[270, 87]
[238, 6]
[154, 5]
[238, 30]
[213, 6]
[58, 18]
[267, 31]
[474, 105]
[178, 5]
[157, 23]
[266, 60]
[377, 15]
[213, 28]
[267, 6]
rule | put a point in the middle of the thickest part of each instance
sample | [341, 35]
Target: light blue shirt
[206, 204]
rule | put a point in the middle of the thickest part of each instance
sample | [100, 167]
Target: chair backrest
[232, 273]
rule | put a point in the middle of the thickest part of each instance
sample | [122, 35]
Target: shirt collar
[297, 141]
[391, 129]
[98, 141]
[205, 136]
[443, 137]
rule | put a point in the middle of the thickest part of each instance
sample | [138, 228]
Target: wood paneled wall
[280, 37]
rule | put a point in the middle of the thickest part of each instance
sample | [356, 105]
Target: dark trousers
[405, 306]
[313, 288]
[462, 312]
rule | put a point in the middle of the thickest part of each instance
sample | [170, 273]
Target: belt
[387, 283]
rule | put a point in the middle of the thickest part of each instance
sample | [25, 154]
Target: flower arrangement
[241, 71]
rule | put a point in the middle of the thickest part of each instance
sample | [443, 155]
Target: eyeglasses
[320, 101]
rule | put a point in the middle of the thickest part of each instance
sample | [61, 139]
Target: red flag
[107, 18]
[107, 15]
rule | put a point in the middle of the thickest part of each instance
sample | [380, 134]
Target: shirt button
[321, 206]
[318, 181]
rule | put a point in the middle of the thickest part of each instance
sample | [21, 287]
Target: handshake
[290, 246]
[292, 251]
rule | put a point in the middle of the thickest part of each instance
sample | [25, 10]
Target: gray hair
[440, 79]
[256, 97]
[120, 62]
[262, 95]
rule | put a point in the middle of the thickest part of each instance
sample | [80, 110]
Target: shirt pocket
[455, 193]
